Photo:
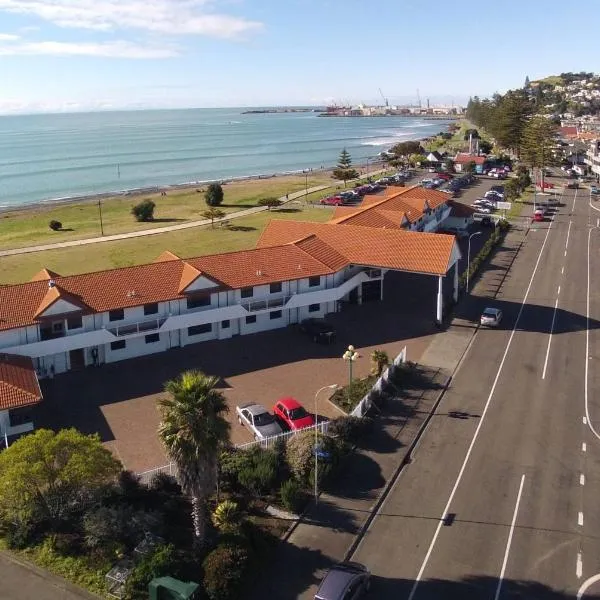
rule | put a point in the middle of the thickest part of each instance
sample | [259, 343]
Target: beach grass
[28, 227]
[241, 234]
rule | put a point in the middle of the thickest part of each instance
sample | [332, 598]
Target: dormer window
[314, 281]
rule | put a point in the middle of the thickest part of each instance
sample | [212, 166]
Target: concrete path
[133, 234]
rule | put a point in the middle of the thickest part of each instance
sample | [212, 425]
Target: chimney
[51, 283]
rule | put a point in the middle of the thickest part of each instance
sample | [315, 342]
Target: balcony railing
[48, 334]
[135, 328]
[266, 304]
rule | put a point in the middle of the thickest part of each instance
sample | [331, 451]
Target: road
[502, 503]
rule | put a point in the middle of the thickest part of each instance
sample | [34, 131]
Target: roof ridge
[323, 242]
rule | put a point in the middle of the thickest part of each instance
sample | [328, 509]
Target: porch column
[440, 298]
[455, 294]
[381, 289]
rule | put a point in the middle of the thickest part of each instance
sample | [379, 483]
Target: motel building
[54, 324]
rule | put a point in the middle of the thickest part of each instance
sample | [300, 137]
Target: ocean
[53, 157]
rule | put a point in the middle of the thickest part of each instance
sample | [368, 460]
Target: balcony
[50, 334]
[137, 328]
[267, 304]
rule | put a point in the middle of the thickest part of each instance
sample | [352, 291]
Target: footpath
[200, 223]
[331, 528]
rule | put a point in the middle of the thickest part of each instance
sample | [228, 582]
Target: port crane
[384, 98]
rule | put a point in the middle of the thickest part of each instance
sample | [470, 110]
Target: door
[77, 359]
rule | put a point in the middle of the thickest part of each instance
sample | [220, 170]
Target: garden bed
[348, 397]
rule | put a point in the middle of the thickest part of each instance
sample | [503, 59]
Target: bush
[144, 211]
[19, 535]
[55, 225]
[301, 458]
[224, 571]
[292, 495]
[163, 561]
[214, 195]
[258, 472]
[350, 429]
[227, 516]
[269, 202]
[165, 484]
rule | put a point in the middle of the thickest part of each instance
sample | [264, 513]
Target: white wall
[137, 347]
[60, 307]
[187, 339]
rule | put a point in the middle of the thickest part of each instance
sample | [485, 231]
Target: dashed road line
[579, 568]
[583, 447]
[582, 479]
[550, 337]
[580, 519]
[584, 421]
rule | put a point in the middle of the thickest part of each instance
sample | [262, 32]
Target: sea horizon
[64, 156]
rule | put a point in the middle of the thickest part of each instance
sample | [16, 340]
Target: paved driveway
[118, 400]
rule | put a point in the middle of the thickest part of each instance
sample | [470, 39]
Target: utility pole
[100, 211]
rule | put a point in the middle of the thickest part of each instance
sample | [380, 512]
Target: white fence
[271, 441]
[365, 404]
[146, 476]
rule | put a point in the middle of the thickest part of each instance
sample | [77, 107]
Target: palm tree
[192, 431]
[379, 361]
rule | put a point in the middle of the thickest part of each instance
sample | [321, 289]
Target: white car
[484, 209]
[259, 420]
[491, 317]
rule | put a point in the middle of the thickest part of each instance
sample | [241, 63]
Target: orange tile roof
[53, 294]
[189, 274]
[318, 249]
[373, 218]
[44, 275]
[465, 158]
[166, 256]
[18, 382]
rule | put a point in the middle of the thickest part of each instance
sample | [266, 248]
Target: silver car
[491, 317]
[258, 419]
[345, 581]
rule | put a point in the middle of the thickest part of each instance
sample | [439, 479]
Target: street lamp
[469, 257]
[325, 387]
[350, 355]
[306, 186]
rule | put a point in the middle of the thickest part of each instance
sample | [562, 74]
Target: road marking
[587, 342]
[568, 235]
[582, 479]
[565, 252]
[446, 510]
[558, 290]
[562, 271]
[583, 447]
[574, 198]
[598, 222]
[509, 542]
[587, 584]
[584, 421]
[579, 569]
[550, 337]
[580, 519]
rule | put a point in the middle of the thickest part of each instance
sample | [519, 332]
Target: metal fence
[271, 441]
[146, 476]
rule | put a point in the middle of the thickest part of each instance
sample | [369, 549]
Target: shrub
[144, 211]
[227, 516]
[292, 495]
[350, 429]
[259, 472]
[165, 484]
[214, 195]
[269, 202]
[19, 535]
[224, 570]
[379, 361]
[55, 225]
[161, 562]
[301, 458]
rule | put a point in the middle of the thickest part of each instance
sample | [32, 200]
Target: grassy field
[242, 233]
[81, 219]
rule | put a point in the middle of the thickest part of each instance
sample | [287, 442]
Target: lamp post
[325, 387]
[100, 211]
[469, 257]
[350, 355]
[306, 186]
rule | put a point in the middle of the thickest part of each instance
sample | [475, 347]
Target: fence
[146, 476]
[365, 404]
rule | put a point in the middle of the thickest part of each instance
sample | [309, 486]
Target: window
[150, 309]
[225, 324]
[152, 338]
[275, 314]
[74, 322]
[275, 288]
[250, 319]
[120, 345]
[116, 315]
[247, 292]
[199, 329]
[58, 326]
[314, 281]
[196, 302]
[314, 308]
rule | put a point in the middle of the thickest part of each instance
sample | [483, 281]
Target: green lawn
[241, 234]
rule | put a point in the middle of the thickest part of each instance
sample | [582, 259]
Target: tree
[344, 171]
[469, 167]
[485, 147]
[270, 202]
[538, 140]
[449, 165]
[193, 430]
[416, 159]
[144, 211]
[214, 194]
[405, 149]
[379, 361]
[55, 225]
[52, 473]
[212, 214]
[512, 190]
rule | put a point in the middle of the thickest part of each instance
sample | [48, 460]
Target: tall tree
[213, 213]
[214, 194]
[539, 137]
[193, 430]
[344, 171]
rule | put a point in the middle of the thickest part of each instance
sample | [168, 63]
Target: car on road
[344, 581]
[491, 317]
[595, 190]
[538, 215]
[319, 330]
[292, 414]
[258, 419]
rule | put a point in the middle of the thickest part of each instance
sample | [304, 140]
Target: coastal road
[500, 498]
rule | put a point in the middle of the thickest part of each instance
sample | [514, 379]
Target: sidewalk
[133, 234]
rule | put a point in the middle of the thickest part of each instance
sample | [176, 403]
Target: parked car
[594, 190]
[332, 201]
[345, 581]
[493, 195]
[349, 195]
[319, 330]
[573, 185]
[538, 215]
[259, 420]
[497, 188]
[491, 317]
[293, 414]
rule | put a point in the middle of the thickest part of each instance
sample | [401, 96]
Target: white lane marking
[558, 292]
[587, 342]
[584, 421]
[565, 252]
[580, 519]
[562, 271]
[579, 569]
[446, 510]
[568, 235]
[587, 584]
[598, 222]
[582, 479]
[584, 447]
[550, 337]
[574, 198]
[509, 542]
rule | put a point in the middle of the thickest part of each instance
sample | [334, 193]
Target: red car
[333, 201]
[445, 176]
[293, 414]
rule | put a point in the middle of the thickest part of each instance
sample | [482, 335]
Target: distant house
[460, 216]
[568, 132]
[434, 157]
[462, 159]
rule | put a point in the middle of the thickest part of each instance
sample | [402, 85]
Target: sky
[69, 55]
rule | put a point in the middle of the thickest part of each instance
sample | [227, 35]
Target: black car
[319, 330]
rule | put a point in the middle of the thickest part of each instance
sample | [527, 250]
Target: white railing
[266, 304]
[269, 442]
[136, 328]
[146, 476]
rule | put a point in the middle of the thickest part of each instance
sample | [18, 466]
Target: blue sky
[99, 54]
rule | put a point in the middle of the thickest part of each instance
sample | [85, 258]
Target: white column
[455, 295]
[440, 297]
[382, 280]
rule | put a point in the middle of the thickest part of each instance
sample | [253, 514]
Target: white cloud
[8, 37]
[175, 17]
[116, 49]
